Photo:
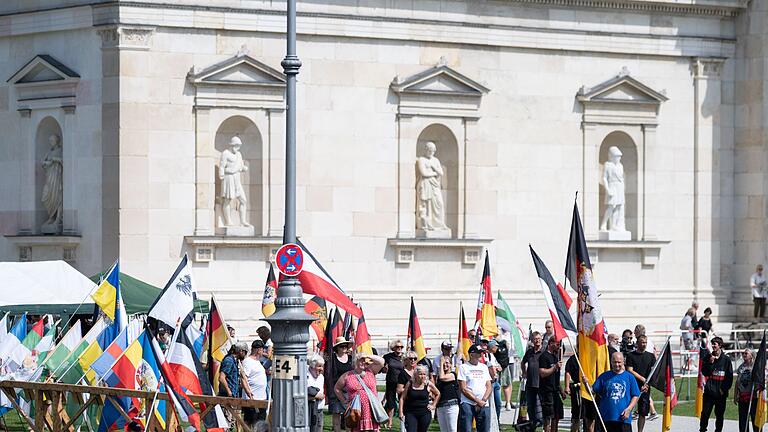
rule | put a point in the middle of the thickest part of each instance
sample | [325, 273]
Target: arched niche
[47, 128]
[448, 154]
[628, 149]
[252, 151]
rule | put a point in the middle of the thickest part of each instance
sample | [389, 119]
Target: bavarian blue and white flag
[176, 301]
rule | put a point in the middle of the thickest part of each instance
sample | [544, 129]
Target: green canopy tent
[139, 295]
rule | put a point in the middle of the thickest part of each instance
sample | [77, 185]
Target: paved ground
[679, 423]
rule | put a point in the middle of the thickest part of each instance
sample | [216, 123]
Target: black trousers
[743, 421]
[417, 422]
[706, 409]
[759, 307]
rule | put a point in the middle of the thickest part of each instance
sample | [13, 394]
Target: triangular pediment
[621, 89]
[43, 69]
[439, 80]
[239, 70]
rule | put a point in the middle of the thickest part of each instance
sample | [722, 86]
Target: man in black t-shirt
[639, 363]
[530, 369]
[572, 388]
[549, 386]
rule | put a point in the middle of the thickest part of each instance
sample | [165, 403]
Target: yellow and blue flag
[106, 296]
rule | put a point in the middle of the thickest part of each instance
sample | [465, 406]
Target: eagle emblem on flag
[185, 284]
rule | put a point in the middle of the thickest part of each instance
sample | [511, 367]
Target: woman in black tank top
[415, 406]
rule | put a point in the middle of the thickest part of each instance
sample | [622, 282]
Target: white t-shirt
[757, 283]
[436, 363]
[318, 382]
[475, 376]
[256, 376]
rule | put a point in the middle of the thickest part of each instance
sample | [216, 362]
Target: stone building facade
[522, 98]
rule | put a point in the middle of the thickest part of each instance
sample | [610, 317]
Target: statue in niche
[53, 189]
[612, 225]
[231, 166]
[430, 207]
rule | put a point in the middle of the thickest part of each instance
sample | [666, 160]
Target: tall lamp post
[290, 324]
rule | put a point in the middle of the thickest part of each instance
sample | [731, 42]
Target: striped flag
[416, 342]
[485, 317]
[316, 281]
[591, 341]
[46, 343]
[462, 347]
[12, 348]
[758, 378]
[270, 293]
[33, 337]
[3, 328]
[106, 296]
[184, 407]
[558, 301]
[701, 380]
[217, 342]
[66, 345]
[507, 320]
[316, 306]
[191, 377]
[362, 338]
[105, 361]
[662, 378]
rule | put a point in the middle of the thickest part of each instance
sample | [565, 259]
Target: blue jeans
[482, 417]
[497, 398]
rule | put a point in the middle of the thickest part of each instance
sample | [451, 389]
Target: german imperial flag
[464, 343]
[592, 344]
[316, 307]
[362, 338]
[663, 379]
[270, 293]
[414, 334]
[485, 316]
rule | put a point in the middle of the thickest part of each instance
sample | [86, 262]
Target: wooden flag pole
[586, 382]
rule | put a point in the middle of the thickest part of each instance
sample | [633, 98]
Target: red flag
[270, 293]
[184, 407]
[464, 343]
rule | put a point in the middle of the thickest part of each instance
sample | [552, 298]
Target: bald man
[618, 393]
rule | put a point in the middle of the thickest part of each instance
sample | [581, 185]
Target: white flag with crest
[176, 300]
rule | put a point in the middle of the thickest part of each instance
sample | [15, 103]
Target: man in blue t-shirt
[617, 392]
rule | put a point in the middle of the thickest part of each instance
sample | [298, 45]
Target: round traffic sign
[289, 259]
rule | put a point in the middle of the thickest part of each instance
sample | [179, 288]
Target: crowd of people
[463, 394]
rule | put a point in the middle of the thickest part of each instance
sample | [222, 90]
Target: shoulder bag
[379, 413]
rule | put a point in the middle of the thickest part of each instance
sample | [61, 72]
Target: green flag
[61, 352]
[507, 320]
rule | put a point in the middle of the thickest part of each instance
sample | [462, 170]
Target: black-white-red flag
[558, 301]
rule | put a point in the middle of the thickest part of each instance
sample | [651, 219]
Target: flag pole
[584, 377]
[157, 390]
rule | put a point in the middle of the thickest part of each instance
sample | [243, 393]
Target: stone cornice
[720, 8]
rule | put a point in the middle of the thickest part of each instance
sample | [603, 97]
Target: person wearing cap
[256, 376]
[446, 351]
[475, 385]
[231, 382]
[341, 361]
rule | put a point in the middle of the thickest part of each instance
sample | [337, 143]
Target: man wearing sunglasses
[393, 366]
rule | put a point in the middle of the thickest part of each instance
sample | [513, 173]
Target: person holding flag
[744, 395]
[591, 341]
[530, 370]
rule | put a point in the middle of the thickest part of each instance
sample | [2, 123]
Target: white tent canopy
[44, 287]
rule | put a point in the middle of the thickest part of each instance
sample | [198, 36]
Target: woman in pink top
[348, 385]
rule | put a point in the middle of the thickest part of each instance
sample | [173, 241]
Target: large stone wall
[521, 152]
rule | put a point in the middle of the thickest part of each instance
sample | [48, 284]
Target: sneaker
[653, 417]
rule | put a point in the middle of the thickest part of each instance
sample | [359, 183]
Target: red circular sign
[289, 259]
